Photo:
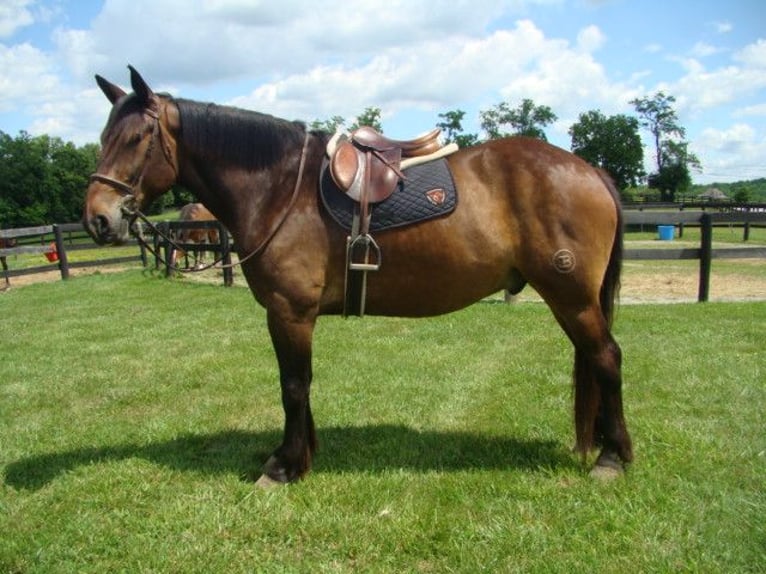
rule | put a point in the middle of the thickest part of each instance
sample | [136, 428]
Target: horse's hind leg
[5, 272]
[599, 418]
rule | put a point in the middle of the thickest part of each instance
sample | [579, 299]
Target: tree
[330, 126]
[453, 127]
[674, 177]
[42, 179]
[673, 157]
[527, 119]
[611, 143]
[369, 117]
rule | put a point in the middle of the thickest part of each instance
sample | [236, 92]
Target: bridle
[128, 190]
[130, 209]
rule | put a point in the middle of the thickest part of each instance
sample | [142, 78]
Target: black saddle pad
[428, 191]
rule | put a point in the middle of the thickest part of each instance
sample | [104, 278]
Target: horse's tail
[610, 287]
[588, 394]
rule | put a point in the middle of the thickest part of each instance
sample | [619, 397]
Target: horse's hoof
[608, 467]
[265, 482]
[606, 473]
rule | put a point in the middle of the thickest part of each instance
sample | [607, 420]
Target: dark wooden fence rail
[705, 252]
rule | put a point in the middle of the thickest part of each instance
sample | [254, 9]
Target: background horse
[195, 212]
[5, 243]
[529, 213]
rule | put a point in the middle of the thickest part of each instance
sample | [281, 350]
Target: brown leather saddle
[366, 165]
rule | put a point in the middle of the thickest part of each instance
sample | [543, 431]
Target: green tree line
[42, 179]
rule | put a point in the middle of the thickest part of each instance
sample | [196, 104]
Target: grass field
[135, 411]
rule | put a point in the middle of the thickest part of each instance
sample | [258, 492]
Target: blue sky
[314, 59]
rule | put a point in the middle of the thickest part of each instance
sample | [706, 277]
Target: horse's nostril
[101, 224]
[98, 227]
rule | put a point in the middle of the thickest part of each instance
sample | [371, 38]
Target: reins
[134, 214]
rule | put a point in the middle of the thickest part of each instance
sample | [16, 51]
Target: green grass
[134, 412]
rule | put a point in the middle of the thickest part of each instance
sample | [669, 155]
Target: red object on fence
[53, 255]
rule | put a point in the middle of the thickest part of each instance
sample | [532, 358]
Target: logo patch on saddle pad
[428, 191]
[436, 196]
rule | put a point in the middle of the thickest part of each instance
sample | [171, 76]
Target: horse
[529, 213]
[6, 243]
[195, 212]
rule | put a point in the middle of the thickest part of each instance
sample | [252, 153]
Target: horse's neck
[241, 197]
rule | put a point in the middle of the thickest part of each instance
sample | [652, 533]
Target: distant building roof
[713, 194]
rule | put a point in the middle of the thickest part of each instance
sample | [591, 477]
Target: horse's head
[138, 158]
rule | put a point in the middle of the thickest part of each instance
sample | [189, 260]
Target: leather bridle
[129, 190]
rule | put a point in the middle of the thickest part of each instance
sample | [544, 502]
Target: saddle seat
[367, 165]
[426, 144]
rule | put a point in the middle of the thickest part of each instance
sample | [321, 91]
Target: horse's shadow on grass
[372, 449]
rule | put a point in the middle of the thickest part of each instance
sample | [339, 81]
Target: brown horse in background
[6, 243]
[195, 212]
[528, 213]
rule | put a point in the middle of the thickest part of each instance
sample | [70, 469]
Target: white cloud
[590, 39]
[723, 27]
[703, 49]
[14, 14]
[26, 77]
[731, 154]
[753, 55]
[756, 110]
[442, 74]
[701, 89]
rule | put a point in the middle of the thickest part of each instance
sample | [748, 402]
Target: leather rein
[129, 191]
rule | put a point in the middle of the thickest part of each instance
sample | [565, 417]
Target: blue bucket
[666, 232]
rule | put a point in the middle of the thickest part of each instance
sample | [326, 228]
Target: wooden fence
[705, 252]
[71, 237]
[56, 242]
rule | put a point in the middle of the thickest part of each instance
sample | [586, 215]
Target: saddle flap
[344, 165]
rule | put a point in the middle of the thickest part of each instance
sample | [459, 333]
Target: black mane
[235, 135]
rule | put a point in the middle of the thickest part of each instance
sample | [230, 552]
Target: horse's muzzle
[106, 231]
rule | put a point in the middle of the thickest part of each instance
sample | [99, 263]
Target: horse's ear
[112, 92]
[141, 88]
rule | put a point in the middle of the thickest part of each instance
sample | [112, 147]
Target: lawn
[135, 412]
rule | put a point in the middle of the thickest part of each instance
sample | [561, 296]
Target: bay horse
[528, 213]
[6, 243]
[195, 212]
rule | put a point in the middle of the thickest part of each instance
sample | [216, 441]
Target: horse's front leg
[292, 343]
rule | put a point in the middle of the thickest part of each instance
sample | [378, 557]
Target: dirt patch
[642, 285]
[51, 276]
